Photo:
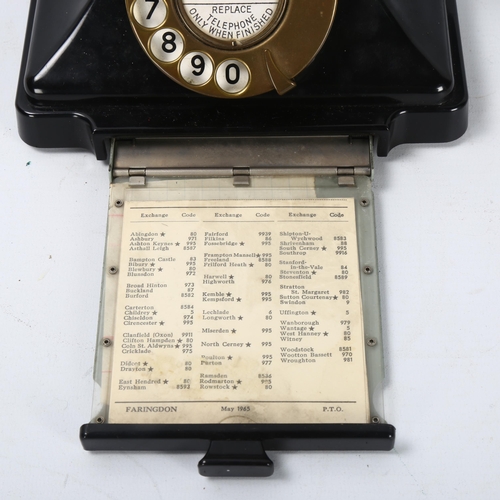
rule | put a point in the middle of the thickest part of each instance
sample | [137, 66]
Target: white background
[438, 209]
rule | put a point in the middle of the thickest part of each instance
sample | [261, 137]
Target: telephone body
[196, 89]
[391, 69]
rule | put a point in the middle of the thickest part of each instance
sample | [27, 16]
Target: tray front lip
[197, 437]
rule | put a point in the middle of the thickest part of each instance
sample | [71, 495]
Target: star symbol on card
[235, 387]
[335, 297]
[313, 313]
[251, 264]
[150, 368]
[240, 317]
[165, 381]
[179, 340]
[145, 363]
[325, 334]
[242, 243]
[154, 313]
[233, 330]
[238, 299]
[177, 346]
[229, 294]
[177, 244]
[258, 256]
[248, 344]
[238, 381]
[160, 269]
[229, 358]
[162, 323]
[152, 264]
[323, 248]
[162, 234]
[311, 328]
[314, 272]
[231, 276]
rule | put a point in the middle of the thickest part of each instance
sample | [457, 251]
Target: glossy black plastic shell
[392, 69]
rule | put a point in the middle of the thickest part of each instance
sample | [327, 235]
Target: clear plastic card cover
[225, 304]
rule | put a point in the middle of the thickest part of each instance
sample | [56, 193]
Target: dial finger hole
[196, 68]
[167, 45]
[150, 13]
[233, 76]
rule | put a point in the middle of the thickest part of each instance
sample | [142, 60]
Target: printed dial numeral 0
[196, 68]
[150, 13]
[233, 76]
[167, 45]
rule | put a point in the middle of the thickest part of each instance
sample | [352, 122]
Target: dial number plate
[230, 20]
[229, 48]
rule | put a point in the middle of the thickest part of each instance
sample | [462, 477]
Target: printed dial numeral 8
[167, 45]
